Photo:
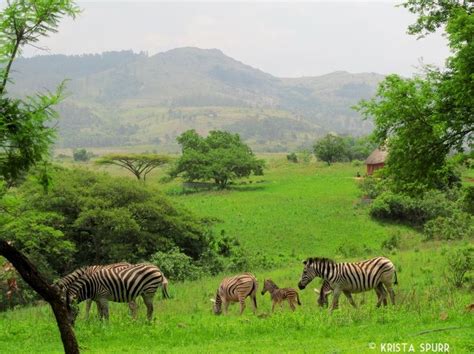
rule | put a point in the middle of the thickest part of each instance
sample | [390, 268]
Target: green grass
[295, 211]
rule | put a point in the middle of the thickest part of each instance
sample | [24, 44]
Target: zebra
[123, 285]
[350, 278]
[65, 282]
[326, 290]
[279, 295]
[236, 289]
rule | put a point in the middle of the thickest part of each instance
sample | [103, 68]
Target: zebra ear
[213, 300]
[305, 261]
[316, 291]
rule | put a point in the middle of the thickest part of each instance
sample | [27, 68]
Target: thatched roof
[377, 156]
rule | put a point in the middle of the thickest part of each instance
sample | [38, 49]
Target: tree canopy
[331, 148]
[425, 118]
[139, 164]
[221, 156]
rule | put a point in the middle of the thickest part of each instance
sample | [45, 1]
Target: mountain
[124, 98]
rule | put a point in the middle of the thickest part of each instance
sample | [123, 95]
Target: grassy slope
[299, 210]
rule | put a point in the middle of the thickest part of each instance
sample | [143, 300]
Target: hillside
[123, 98]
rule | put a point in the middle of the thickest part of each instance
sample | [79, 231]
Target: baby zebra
[326, 290]
[350, 278]
[65, 282]
[279, 295]
[123, 285]
[236, 289]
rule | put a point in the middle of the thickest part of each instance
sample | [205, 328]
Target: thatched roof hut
[376, 160]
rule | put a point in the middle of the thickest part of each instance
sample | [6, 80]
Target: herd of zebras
[124, 282]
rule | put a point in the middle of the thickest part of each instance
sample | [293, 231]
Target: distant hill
[124, 98]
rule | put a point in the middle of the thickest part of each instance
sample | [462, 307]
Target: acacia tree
[425, 118]
[24, 134]
[139, 164]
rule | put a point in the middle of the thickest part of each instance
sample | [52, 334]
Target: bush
[357, 163]
[176, 265]
[81, 155]
[371, 187]
[467, 200]
[415, 211]
[392, 243]
[292, 157]
[455, 227]
[459, 264]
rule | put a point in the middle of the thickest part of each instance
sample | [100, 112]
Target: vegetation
[333, 148]
[295, 213]
[81, 155]
[221, 156]
[139, 164]
[423, 119]
[25, 135]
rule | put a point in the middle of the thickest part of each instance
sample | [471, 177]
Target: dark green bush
[460, 262]
[175, 265]
[457, 226]
[292, 157]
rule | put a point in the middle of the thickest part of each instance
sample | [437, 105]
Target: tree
[423, 119]
[331, 148]
[139, 164]
[358, 148]
[24, 133]
[221, 156]
[81, 155]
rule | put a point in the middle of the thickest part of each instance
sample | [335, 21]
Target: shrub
[455, 227]
[357, 163]
[467, 199]
[176, 265]
[459, 263]
[292, 157]
[81, 155]
[371, 187]
[392, 243]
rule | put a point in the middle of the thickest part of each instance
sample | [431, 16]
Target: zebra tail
[164, 291]
[298, 299]
[396, 280]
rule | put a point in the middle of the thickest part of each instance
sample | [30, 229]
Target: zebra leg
[391, 292]
[148, 299]
[335, 300]
[104, 308]
[254, 303]
[242, 304]
[292, 305]
[88, 307]
[349, 297]
[132, 305]
[273, 305]
[381, 295]
[226, 306]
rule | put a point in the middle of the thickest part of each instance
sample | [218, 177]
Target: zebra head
[309, 273]
[217, 304]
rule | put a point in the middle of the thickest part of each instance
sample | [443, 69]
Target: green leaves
[139, 164]
[330, 149]
[220, 156]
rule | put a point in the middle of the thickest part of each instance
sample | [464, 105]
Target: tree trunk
[52, 295]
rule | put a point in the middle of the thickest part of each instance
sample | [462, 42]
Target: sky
[285, 39]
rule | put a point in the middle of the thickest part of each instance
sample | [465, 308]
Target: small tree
[25, 135]
[139, 164]
[81, 155]
[331, 148]
[221, 156]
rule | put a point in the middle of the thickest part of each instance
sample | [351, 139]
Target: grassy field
[294, 211]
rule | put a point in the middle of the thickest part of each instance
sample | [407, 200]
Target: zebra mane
[313, 260]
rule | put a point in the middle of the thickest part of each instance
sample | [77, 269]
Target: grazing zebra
[326, 290]
[123, 285]
[279, 295]
[350, 278]
[236, 289]
[65, 282]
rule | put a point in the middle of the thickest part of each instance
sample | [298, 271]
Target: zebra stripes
[326, 290]
[66, 281]
[351, 278]
[236, 289]
[122, 285]
[279, 295]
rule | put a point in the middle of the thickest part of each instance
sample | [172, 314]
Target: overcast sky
[286, 39]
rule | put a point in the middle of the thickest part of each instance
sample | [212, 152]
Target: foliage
[139, 164]
[176, 265]
[110, 219]
[81, 155]
[292, 157]
[331, 148]
[459, 263]
[358, 148]
[456, 226]
[415, 211]
[392, 243]
[423, 119]
[221, 156]
[372, 187]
